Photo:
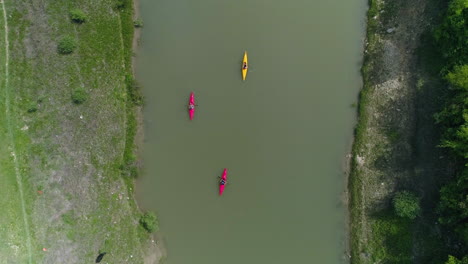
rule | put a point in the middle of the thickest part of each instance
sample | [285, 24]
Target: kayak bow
[191, 106]
[221, 185]
[244, 69]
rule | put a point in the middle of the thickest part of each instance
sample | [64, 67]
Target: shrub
[120, 4]
[32, 107]
[149, 222]
[138, 23]
[79, 96]
[78, 16]
[134, 90]
[406, 205]
[66, 45]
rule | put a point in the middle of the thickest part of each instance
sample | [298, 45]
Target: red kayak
[222, 182]
[191, 105]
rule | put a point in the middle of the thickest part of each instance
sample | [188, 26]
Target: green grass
[16, 238]
[392, 242]
[73, 153]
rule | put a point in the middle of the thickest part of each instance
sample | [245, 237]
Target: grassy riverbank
[396, 140]
[67, 169]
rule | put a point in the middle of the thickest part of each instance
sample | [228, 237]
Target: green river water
[282, 134]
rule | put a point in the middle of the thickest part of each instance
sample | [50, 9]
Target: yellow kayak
[245, 66]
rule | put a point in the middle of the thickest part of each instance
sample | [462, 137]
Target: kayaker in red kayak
[222, 182]
[191, 106]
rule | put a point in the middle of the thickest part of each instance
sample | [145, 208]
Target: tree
[452, 34]
[453, 205]
[406, 205]
[459, 77]
[454, 117]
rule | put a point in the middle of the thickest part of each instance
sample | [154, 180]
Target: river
[282, 134]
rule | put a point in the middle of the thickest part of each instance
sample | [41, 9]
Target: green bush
[66, 45]
[149, 222]
[78, 16]
[138, 23]
[32, 107]
[134, 90]
[121, 4]
[406, 205]
[79, 96]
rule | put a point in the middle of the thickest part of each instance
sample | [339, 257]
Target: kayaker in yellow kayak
[245, 65]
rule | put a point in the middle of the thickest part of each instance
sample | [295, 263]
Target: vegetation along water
[408, 184]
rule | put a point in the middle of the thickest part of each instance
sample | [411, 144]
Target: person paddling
[223, 182]
[191, 106]
[245, 66]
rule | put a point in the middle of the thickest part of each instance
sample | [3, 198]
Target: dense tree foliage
[452, 39]
[453, 206]
[459, 77]
[452, 35]
[454, 260]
